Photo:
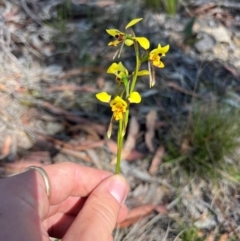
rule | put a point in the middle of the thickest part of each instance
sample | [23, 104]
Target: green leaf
[188, 29]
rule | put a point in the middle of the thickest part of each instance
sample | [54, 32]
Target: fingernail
[118, 188]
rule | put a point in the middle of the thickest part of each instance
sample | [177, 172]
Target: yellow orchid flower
[156, 54]
[127, 39]
[120, 36]
[115, 68]
[119, 106]
[118, 70]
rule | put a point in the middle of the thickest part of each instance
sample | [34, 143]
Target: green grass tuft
[169, 6]
[191, 234]
[64, 13]
[207, 145]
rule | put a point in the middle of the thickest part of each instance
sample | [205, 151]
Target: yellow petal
[153, 52]
[143, 72]
[114, 32]
[133, 22]
[122, 68]
[104, 97]
[134, 97]
[159, 50]
[118, 100]
[113, 68]
[158, 64]
[128, 42]
[114, 43]
[144, 42]
[117, 68]
[164, 49]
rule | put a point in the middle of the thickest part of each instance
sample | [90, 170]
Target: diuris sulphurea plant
[125, 93]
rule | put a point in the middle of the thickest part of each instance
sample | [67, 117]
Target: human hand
[84, 204]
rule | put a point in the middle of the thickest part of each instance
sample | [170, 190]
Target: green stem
[138, 63]
[121, 133]
[126, 117]
[134, 78]
[120, 143]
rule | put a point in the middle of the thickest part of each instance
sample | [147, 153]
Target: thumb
[98, 216]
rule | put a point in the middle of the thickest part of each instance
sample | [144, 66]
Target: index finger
[70, 179]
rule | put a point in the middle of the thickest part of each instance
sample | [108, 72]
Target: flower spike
[126, 82]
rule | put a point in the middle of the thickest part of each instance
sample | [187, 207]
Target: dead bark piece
[134, 155]
[150, 124]
[140, 211]
[157, 160]
[161, 209]
[136, 214]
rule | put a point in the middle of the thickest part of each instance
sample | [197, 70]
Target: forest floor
[181, 155]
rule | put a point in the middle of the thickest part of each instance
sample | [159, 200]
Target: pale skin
[85, 204]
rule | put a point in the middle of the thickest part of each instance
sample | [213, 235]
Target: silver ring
[45, 178]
